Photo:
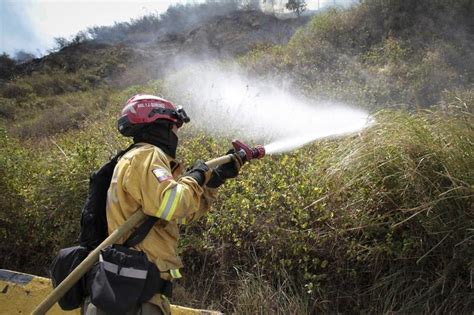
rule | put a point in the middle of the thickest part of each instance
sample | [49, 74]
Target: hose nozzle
[246, 152]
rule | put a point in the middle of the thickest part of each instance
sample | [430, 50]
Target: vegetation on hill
[378, 222]
[379, 54]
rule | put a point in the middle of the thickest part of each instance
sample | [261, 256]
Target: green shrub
[7, 67]
[17, 90]
[57, 114]
[45, 184]
[8, 108]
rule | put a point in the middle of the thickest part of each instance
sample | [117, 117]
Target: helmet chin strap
[160, 135]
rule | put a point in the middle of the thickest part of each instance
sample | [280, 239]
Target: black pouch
[119, 279]
[65, 262]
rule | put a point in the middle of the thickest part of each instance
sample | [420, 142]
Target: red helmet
[142, 109]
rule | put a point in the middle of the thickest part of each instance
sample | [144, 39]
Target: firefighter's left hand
[200, 172]
[225, 171]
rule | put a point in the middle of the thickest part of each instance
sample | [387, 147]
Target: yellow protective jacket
[147, 179]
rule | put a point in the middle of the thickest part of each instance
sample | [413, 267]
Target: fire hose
[245, 153]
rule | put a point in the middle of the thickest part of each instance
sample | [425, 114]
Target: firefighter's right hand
[200, 172]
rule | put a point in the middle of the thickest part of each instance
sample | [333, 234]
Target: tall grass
[407, 189]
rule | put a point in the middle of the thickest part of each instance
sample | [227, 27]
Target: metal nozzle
[247, 152]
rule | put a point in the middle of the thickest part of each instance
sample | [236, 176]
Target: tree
[297, 6]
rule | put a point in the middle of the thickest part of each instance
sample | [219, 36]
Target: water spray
[226, 102]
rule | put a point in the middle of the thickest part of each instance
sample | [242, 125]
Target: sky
[32, 25]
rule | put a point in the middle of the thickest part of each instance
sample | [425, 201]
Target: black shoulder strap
[139, 234]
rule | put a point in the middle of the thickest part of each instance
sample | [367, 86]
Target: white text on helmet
[154, 105]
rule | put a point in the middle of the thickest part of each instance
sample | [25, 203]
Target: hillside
[379, 54]
[381, 221]
[103, 62]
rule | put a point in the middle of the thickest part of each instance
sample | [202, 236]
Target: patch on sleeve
[162, 174]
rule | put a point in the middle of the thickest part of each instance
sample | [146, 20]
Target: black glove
[200, 172]
[225, 171]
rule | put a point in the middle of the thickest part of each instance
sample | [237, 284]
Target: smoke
[177, 20]
[224, 101]
[32, 25]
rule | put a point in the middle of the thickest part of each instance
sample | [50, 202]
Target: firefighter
[148, 178]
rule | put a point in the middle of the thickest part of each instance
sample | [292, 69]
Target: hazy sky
[32, 25]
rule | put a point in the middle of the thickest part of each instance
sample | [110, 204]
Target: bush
[7, 108]
[52, 115]
[7, 67]
[17, 90]
[45, 186]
